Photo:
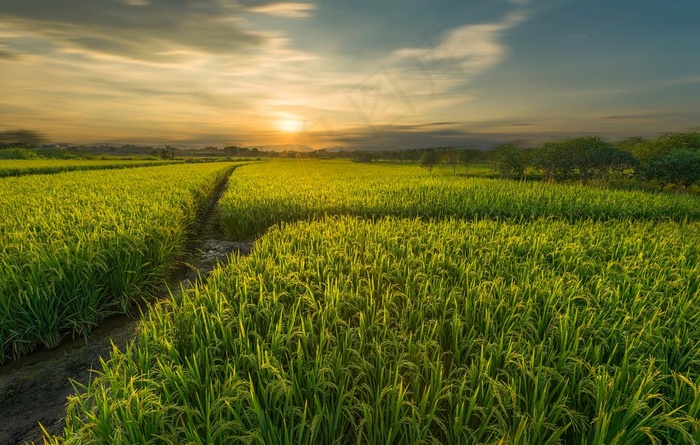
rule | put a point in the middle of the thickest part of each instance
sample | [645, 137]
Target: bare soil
[35, 388]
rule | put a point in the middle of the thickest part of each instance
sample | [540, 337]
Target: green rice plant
[20, 167]
[77, 247]
[403, 331]
[262, 195]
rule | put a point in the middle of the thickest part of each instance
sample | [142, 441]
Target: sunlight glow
[290, 125]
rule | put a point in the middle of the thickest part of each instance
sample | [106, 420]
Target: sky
[356, 74]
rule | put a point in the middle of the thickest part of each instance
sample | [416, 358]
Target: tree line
[671, 159]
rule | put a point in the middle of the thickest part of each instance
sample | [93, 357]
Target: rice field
[263, 195]
[381, 304]
[76, 247]
[20, 167]
[403, 331]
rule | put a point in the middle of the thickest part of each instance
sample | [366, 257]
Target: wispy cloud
[631, 117]
[466, 50]
[8, 54]
[358, 73]
[158, 30]
[289, 10]
[639, 86]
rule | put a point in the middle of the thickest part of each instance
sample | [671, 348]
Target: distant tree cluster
[672, 159]
[166, 152]
[669, 160]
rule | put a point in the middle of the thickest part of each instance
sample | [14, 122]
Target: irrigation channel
[35, 388]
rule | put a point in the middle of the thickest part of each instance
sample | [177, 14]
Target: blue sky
[365, 73]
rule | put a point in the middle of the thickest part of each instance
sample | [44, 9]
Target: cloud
[8, 54]
[640, 86]
[289, 10]
[400, 137]
[155, 30]
[435, 124]
[466, 50]
[625, 117]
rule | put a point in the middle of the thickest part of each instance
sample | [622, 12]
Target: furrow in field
[77, 247]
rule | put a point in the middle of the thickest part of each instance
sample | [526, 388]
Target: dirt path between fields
[34, 389]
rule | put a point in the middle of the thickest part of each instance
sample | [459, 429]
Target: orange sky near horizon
[371, 74]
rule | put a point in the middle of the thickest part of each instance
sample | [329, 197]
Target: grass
[76, 247]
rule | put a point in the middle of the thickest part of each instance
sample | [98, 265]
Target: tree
[631, 145]
[669, 159]
[165, 153]
[584, 152]
[586, 157]
[508, 160]
[668, 142]
[469, 156]
[606, 159]
[451, 157]
[428, 159]
[554, 161]
[647, 150]
[680, 167]
[365, 156]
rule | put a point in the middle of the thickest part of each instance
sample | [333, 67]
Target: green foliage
[595, 158]
[452, 158]
[554, 161]
[429, 159]
[18, 153]
[509, 161]
[670, 142]
[669, 159]
[583, 158]
[403, 332]
[79, 246]
[266, 194]
[631, 145]
[365, 157]
[166, 153]
[679, 167]
[30, 166]
[470, 156]
[438, 310]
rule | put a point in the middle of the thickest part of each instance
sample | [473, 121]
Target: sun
[290, 125]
